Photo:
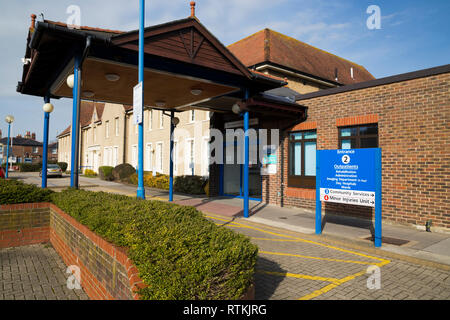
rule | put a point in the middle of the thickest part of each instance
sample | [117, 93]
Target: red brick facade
[413, 119]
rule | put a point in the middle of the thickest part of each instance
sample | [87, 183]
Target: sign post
[349, 176]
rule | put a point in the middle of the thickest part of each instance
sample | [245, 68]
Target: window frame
[300, 181]
[358, 136]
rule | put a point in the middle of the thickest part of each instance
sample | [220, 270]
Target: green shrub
[179, 254]
[62, 165]
[15, 191]
[30, 167]
[189, 184]
[105, 173]
[183, 184]
[123, 171]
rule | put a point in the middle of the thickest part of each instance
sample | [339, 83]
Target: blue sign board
[349, 176]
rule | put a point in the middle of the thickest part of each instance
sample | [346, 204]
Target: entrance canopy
[185, 65]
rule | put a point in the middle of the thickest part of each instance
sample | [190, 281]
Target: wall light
[70, 81]
[48, 107]
[175, 121]
[236, 108]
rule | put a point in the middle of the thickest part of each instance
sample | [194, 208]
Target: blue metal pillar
[75, 136]
[7, 151]
[141, 189]
[318, 202]
[45, 151]
[246, 161]
[378, 234]
[172, 128]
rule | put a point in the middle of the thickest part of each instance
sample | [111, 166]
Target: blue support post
[76, 96]
[141, 189]
[246, 161]
[7, 151]
[45, 150]
[378, 190]
[172, 128]
[318, 202]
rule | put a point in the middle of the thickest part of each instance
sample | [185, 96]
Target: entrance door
[95, 159]
[233, 174]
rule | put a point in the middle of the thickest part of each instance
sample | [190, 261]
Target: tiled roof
[270, 46]
[20, 141]
[86, 110]
[86, 28]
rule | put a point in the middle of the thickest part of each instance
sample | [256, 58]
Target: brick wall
[106, 271]
[413, 119]
[23, 224]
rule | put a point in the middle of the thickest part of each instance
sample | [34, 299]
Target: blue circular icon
[327, 191]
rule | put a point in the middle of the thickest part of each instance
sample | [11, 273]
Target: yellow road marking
[315, 258]
[296, 275]
[236, 224]
[335, 282]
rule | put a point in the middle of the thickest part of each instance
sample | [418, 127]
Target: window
[54, 151]
[302, 159]
[190, 157]
[107, 129]
[115, 156]
[206, 155]
[175, 157]
[161, 120]
[358, 137]
[192, 116]
[149, 156]
[35, 150]
[150, 119]
[134, 156]
[116, 126]
[159, 157]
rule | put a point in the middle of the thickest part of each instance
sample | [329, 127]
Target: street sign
[349, 176]
[137, 103]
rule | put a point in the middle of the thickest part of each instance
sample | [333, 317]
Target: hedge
[15, 191]
[183, 184]
[179, 254]
[90, 173]
[105, 173]
[30, 167]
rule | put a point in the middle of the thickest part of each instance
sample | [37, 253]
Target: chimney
[33, 136]
[192, 9]
[27, 135]
[33, 21]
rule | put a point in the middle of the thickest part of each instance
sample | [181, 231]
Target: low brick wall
[106, 271]
[24, 224]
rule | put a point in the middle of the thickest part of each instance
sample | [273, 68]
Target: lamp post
[48, 108]
[9, 119]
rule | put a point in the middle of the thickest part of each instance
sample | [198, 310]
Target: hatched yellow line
[315, 258]
[296, 275]
[236, 224]
[335, 283]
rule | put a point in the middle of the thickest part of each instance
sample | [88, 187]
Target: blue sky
[414, 35]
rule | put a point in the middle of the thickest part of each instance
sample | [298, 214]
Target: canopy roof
[180, 56]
